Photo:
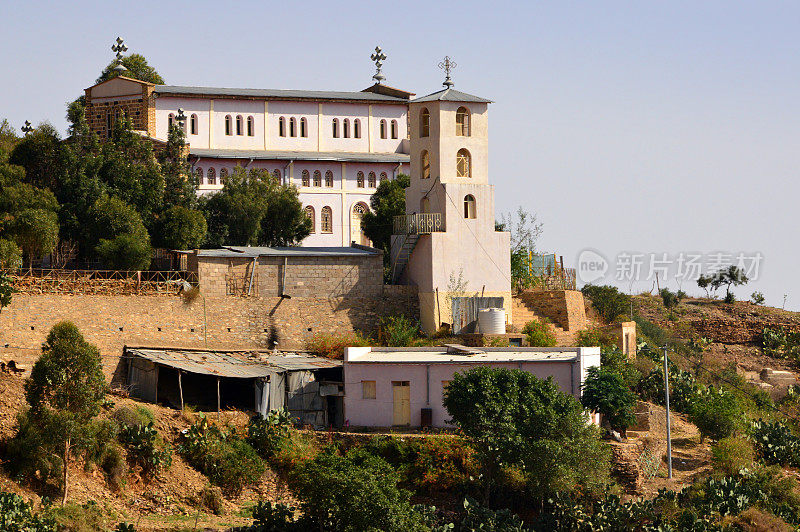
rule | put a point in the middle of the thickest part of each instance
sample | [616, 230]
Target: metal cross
[27, 127]
[378, 57]
[447, 65]
[180, 117]
[119, 48]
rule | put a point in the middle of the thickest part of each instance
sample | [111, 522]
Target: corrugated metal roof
[255, 251]
[278, 93]
[233, 364]
[451, 95]
[286, 155]
[434, 355]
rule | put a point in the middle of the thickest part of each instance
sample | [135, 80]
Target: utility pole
[669, 426]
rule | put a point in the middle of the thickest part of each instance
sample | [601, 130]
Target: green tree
[136, 67]
[8, 139]
[388, 201]
[119, 236]
[65, 389]
[182, 228]
[525, 229]
[180, 186]
[609, 302]
[718, 415]
[604, 391]
[130, 252]
[41, 154]
[36, 232]
[539, 334]
[6, 290]
[10, 255]
[727, 277]
[514, 418]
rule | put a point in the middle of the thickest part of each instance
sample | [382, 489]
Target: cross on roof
[119, 48]
[378, 57]
[447, 65]
[180, 117]
[27, 127]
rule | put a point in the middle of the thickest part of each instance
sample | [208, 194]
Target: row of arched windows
[325, 221]
[345, 130]
[306, 178]
[240, 125]
[462, 122]
[192, 123]
[292, 132]
[371, 179]
[393, 127]
[463, 164]
[211, 175]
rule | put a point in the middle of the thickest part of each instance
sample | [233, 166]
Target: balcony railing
[418, 224]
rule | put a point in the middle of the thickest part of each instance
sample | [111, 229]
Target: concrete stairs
[522, 313]
[403, 256]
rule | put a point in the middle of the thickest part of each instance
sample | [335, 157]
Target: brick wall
[564, 307]
[140, 110]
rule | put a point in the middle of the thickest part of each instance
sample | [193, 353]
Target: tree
[129, 252]
[36, 232]
[718, 415]
[608, 301]
[10, 255]
[119, 236]
[180, 186]
[41, 154]
[604, 391]
[671, 299]
[525, 229]
[6, 290]
[388, 201]
[65, 389]
[182, 228]
[514, 418]
[727, 277]
[8, 139]
[136, 67]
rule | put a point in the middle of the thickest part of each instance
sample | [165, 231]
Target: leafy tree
[41, 154]
[136, 67]
[8, 139]
[608, 301]
[10, 255]
[65, 389]
[727, 277]
[671, 299]
[180, 186]
[757, 298]
[36, 232]
[6, 290]
[182, 228]
[113, 217]
[539, 334]
[604, 391]
[525, 230]
[130, 252]
[718, 415]
[388, 201]
[514, 418]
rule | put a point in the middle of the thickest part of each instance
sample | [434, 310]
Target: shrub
[332, 345]
[211, 500]
[757, 298]
[684, 390]
[730, 297]
[28, 455]
[718, 415]
[596, 337]
[775, 443]
[114, 467]
[126, 252]
[10, 255]
[671, 299]
[146, 448]
[781, 343]
[754, 520]
[539, 333]
[17, 515]
[265, 434]
[604, 391]
[87, 517]
[730, 455]
[398, 331]
[609, 302]
[277, 517]
[615, 360]
[134, 416]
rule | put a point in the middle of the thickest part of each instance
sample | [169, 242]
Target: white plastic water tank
[492, 321]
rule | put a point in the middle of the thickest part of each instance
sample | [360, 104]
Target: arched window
[276, 174]
[384, 177]
[371, 180]
[462, 122]
[223, 176]
[346, 128]
[328, 178]
[282, 126]
[336, 128]
[425, 171]
[326, 220]
[463, 163]
[383, 129]
[303, 127]
[170, 121]
[228, 125]
[212, 176]
[424, 123]
[292, 127]
[239, 125]
[310, 213]
[251, 126]
[394, 129]
[469, 206]
[199, 173]
[360, 180]
[306, 178]
[317, 178]
[193, 124]
[357, 128]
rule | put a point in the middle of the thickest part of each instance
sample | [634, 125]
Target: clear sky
[639, 127]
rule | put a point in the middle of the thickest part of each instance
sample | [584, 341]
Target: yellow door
[401, 393]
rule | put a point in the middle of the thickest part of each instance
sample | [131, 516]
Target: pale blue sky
[641, 126]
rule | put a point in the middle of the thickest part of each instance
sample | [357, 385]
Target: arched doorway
[356, 233]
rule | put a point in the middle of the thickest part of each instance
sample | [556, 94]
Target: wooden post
[180, 388]
[219, 409]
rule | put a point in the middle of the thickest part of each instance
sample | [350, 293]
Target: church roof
[277, 93]
[287, 155]
[451, 95]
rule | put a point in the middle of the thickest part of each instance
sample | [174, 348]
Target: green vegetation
[609, 302]
[604, 391]
[6, 290]
[17, 515]
[524, 229]
[332, 345]
[596, 337]
[388, 201]
[146, 448]
[671, 299]
[728, 277]
[398, 331]
[757, 298]
[781, 343]
[717, 414]
[539, 333]
[732, 454]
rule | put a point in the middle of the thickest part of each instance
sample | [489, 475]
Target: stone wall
[565, 308]
[141, 111]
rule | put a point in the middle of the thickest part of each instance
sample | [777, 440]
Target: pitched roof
[287, 155]
[278, 94]
[451, 95]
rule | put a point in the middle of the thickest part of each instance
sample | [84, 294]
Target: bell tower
[447, 244]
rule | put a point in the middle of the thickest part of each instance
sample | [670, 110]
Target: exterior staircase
[522, 313]
[403, 256]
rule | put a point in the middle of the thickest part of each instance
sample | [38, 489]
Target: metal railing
[418, 224]
[101, 282]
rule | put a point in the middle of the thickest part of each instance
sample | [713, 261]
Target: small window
[383, 129]
[239, 125]
[368, 390]
[346, 128]
[193, 125]
[357, 128]
[276, 174]
[282, 126]
[394, 129]
[212, 176]
[223, 176]
[371, 180]
[306, 178]
[329, 179]
[251, 126]
[469, 206]
[463, 163]
[310, 213]
[228, 125]
[360, 180]
[292, 127]
[303, 127]
[317, 178]
[424, 123]
[326, 219]
[384, 177]
[462, 122]
[425, 171]
[336, 128]
[199, 173]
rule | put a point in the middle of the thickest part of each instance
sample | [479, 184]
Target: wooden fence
[101, 282]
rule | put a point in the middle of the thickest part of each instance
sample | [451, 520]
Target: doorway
[401, 403]
[356, 233]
